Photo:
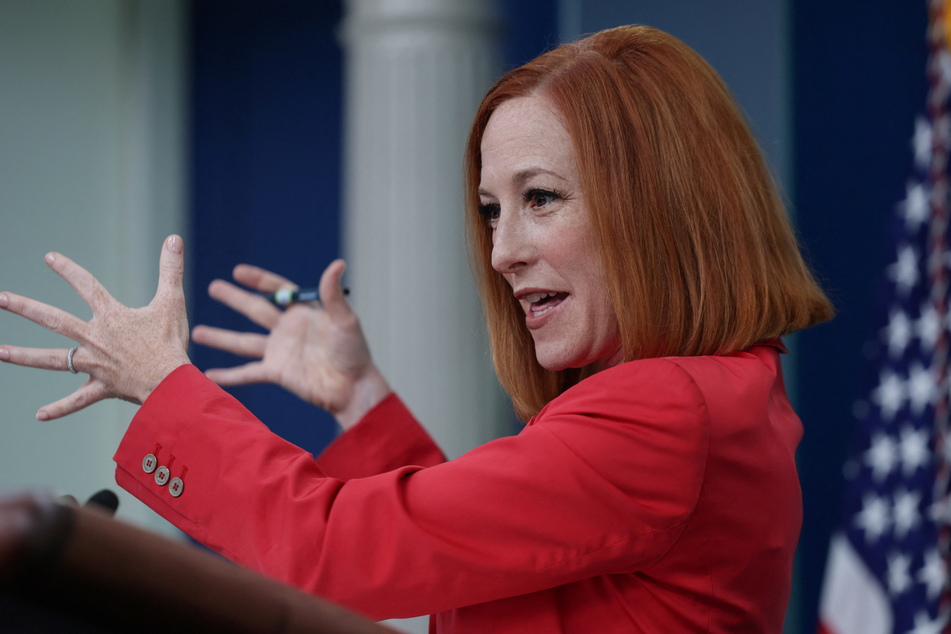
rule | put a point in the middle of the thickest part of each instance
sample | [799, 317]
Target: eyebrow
[521, 176]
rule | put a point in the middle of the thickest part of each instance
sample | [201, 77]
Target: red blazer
[656, 496]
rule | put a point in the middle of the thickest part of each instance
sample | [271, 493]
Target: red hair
[696, 247]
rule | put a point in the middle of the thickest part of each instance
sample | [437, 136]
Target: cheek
[575, 241]
[597, 295]
[571, 251]
[604, 312]
[582, 256]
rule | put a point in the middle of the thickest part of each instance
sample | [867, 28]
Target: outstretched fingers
[50, 317]
[241, 375]
[126, 352]
[243, 344]
[41, 358]
[261, 280]
[251, 305]
[83, 282]
[90, 392]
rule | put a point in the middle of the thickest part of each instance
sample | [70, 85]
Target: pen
[287, 296]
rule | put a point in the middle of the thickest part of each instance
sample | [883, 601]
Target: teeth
[537, 297]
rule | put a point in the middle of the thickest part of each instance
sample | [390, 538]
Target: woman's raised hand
[125, 351]
[315, 350]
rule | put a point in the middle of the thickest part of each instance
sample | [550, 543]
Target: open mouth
[541, 303]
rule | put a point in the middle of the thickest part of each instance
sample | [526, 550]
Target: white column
[416, 71]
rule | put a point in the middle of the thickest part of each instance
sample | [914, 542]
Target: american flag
[888, 563]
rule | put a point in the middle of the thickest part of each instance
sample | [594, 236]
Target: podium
[69, 569]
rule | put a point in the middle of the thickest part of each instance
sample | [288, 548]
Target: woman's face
[542, 239]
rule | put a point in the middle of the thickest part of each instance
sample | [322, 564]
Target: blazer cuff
[386, 438]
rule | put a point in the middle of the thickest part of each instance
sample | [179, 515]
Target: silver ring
[69, 360]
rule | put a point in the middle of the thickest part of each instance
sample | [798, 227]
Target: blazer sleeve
[603, 481]
[386, 438]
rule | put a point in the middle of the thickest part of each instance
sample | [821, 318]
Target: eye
[541, 197]
[490, 211]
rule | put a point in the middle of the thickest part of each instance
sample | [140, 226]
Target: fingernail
[50, 258]
[42, 415]
[4, 354]
[4, 300]
[174, 244]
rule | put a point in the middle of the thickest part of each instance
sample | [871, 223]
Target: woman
[637, 270]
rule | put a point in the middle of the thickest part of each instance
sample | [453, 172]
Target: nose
[512, 247]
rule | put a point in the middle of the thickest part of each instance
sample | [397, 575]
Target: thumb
[171, 267]
[331, 294]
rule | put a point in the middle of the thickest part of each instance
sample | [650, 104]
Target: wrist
[368, 391]
[160, 375]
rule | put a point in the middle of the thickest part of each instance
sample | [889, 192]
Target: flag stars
[906, 512]
[904, 272]
[922, 388]
[928, 326]
[882, 456]
[924, 624]
[899, 573]
[890, 394]
[922, 142]
[916, 206]
[933, 574]
[914, 451]
[898, 333]
[873, 518]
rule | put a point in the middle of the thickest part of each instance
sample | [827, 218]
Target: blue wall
[266, 122]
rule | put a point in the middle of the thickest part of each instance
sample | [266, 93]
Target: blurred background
[286, 133]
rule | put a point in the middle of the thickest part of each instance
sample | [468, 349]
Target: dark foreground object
[68, 569]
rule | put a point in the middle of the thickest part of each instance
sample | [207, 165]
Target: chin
[560, 359]
[555, 362]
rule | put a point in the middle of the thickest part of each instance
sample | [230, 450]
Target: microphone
[104, 500]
